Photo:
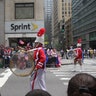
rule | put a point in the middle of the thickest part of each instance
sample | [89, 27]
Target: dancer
[78, 56]
[38, 79]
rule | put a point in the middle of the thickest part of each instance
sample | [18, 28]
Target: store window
[24, 10]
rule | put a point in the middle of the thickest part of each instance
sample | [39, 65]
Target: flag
[28, 44]
[21, 42]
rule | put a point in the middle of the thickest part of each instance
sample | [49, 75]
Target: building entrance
[13, 42]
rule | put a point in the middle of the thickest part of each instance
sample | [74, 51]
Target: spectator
[38, 92]
[62, 53]
[82, 84]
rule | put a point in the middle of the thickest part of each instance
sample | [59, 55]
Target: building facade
[66, 9]
[2, 21]
[48, 22]
[56, 17]
[68, 34]
[84, 22]
[23, 19]
[66, 27]
[61, 13]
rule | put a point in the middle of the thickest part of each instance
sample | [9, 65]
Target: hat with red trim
[79, 42]
[40, 36]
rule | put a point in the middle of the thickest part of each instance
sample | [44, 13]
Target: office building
[48, 22]
[84, 22]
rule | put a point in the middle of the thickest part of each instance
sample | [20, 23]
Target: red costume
[78, 56]
[78, 53]
[38, 79]
[39, 57]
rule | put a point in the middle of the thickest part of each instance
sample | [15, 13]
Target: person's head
[39, 41]
[38, 92]
[37, 44]
[82, 84]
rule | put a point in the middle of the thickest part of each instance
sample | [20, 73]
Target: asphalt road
[56, 80]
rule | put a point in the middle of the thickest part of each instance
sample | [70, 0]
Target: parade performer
[78, 55]
[38, 78]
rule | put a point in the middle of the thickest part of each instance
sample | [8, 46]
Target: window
[24, 10]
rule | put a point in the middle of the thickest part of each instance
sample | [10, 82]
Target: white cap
[78, 44]
[40, 40]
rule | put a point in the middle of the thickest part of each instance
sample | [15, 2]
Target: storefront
[15, 42]
[23, 19]
[21, 30]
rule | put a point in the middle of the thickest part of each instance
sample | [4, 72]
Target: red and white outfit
[38, 79]
[78, 58]
[78, 54]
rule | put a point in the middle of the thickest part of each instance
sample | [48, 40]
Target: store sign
[20, 27]
[23, 26]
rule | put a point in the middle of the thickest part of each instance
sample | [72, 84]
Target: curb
[66, 63]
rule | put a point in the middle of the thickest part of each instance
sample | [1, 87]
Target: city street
[56, 79]
[46, 34]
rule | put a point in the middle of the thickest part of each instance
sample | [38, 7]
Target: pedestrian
[82, 84]
[49, 54]
[62, 53]
[38, 79]
[78, 57]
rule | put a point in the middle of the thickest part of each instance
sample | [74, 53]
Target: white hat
[40, 40]
[78, 44]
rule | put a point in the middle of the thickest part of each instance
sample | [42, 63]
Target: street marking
[65, 78]
[90, 72]
[65, 83]
[60, 75]
[64, 73]
[5, 75]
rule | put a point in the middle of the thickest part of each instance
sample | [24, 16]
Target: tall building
[22, 19]
[48, 21]
[66, 9]
[66, 26]
[68, 34]
[61, 13]
[2, 22]
[84, 22]
[57, 5]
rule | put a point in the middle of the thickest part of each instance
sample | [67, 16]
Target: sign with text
[23, 26]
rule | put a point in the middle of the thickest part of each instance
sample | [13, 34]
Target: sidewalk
[86, 60]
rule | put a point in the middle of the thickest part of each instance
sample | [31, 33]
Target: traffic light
[62, 30]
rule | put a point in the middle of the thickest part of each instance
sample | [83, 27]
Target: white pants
[38, 80]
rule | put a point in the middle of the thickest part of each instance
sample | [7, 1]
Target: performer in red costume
[78, 55]
[38, 79]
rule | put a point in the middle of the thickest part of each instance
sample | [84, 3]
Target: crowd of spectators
[53, 58]
[89, 53]
[6, 53]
